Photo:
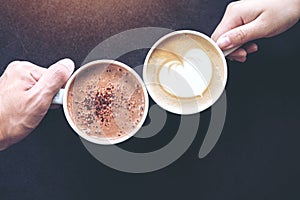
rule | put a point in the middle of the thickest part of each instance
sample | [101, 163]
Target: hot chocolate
[107, 102]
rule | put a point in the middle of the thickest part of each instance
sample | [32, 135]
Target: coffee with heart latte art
[184, 69]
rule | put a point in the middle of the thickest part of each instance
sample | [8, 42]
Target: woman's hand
[247, 20]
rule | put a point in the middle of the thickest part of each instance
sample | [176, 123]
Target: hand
[26, 92]
[247, 20]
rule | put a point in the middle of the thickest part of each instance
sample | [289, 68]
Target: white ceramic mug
[62, 98]
[185, 72]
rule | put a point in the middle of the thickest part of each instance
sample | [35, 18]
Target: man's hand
[26, 93]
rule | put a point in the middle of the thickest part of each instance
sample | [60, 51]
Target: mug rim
[196, 33]
[104, 141]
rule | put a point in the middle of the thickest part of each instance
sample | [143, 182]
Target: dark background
[256, 157]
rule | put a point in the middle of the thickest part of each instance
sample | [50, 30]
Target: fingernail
[68, 63]
[223, 42]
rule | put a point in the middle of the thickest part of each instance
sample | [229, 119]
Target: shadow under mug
[62, 99]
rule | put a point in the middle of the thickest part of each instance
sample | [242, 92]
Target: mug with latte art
[185, 72]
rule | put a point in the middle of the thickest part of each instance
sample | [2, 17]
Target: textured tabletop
[256, 157]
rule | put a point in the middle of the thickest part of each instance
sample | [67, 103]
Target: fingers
[236, 14]
[229, 21]
[25, 108]
[251, 48]
[238, 36]
[24, 73]
[22, 68]
[54, 78]
[37, 73]
[240, 54]
[240, 24]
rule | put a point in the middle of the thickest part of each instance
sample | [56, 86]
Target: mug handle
[58, 98]
[229, 51]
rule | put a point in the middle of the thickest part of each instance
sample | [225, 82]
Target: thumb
[54, 77]
[240, 35]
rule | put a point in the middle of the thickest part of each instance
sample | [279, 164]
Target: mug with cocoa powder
[104, 101]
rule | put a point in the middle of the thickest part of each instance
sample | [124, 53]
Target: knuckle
[18, 66]
[232, 6]
[59, 73]
[15, 65]
[241, 36]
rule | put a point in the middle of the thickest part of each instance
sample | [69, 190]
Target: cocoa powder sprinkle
[102, 102]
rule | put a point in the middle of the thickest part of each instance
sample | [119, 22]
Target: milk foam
[188, 77]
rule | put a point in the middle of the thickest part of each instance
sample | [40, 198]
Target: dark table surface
[256, 157]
